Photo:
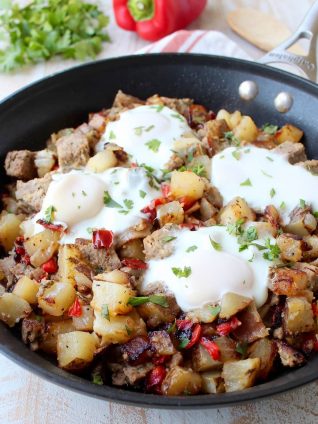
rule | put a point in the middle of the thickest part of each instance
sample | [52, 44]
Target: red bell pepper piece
[212, 348]
[314, 308]
[154, 378]
[196, 334]
[50, 266]
[159, 360]
[154, 19]
[134, 263]
[50, 226]
[76, 309]
[225, 328]
[103, 239]
[184, 324]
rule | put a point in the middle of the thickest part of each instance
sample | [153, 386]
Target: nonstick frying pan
[31, 115]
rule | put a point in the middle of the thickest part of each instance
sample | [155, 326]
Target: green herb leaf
[215, 310]
[246, 183]
[191, 249]
[269, 158]
[235, 229]
[155, 298]
[109, 202]
[270, 129]
[128, 330]
[215, 245]
[282, 205]
[84, 193]
[49, 214]
[167, 239]
[184, 343]
[105, 312]
[273, 251]
[199, 170]
[182, 273]
[236, 154]
[97, 379]
[242, 348]
[138, 130]
[151, 127]
[153, 145]
[315, 213]
[229, 135]
[272, 192]
[266, 174]
[128, 203]
[158, 107]
[89, 230]
[112, 135]
[172, 328]
[302, 203]
[178, 116]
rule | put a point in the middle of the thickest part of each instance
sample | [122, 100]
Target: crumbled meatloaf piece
[100, 259]
[180, 105]
[156, 315]
[6, 264]
[161, 343]
[90, 133]
[129, 374]
[73, 150]
[32, 332]
[31, 194]
[295, 152]
[289, 356]
[20, 164]
[98, 122]
[155, 246]
[125, 101]
[310, 165]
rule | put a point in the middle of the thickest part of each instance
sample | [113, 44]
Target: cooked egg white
[212, 272]
[148, 133]
[263, 177]
[78, 198]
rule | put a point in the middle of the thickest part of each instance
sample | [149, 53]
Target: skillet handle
[306, 65]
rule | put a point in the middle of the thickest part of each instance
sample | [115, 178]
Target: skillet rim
[45, 369]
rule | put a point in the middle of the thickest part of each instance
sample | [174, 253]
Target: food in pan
[164, 248]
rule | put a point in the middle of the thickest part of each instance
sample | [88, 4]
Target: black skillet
[31, 115]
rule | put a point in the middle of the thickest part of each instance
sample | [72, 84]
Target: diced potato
[56, 298]
[170, 213]
[235, 210]
[233, 303]
[289, 356]
[266, 351]
[235, 119]
[72, 268]
[181, 381]
[226, 116]
[156, 315]
[101, 161]
[205, 314]
[114, 295]
[115, 276]
[53, 329]
[75, 350]
[132, 249]
[246, 130]
[204, 162]
[302, 222]
[27, 289]
[252, 327]
[298, 316]
[288, 133]
[291, 247]
[44, 161]
[312, 242]
[9, 229]
[118, 329]
[186, 184]
[287, 281]
[86, 321]
[272, 217]
[240, 375]
[185, 144]
[13, 308]
[42, 246]
[202, 361]
[212, 382]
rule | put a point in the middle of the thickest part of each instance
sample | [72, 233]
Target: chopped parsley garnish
[109, 202]
[112, 135]
[84, 193]
[247, 237]
[266, 174]
[236, 154]
[191, 249]
[105, 312]
[155, 298]
[142, 194]
[236, 229]
[214, 310]
[138, 130]
[73, 194]
[158, 107]
[49, 214]
[215, 245]
[273, 251]
[315, 213]
[153, 145]
[272, 192]
[242, 348]
[128, 203]
[178, 116]
[282, 205]
[154, 181]
[123, 212]
[167, 239]
[182, 273]
[89, 230]
[199, 170]
[247, 150]
[97, 379]
[302, 203]
[269, 158]
[128, 330]
[229, 135]
[184, 343]
[172, 328]
[246, 183]
[151, 127]
[270, 129]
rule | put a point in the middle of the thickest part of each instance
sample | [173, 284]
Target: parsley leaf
[109, 202]
[270, 129]
[142, 194]
[236, 154]
[155, 298]
[97, 379]
[273, 251]
[151, 127]
[199, 170]
[128, 330]
[246, 183]
[49, 214]
[215, 310]
[269, 158]
[167, 239]
[153, 145]
[266, 174]
[191, 249]
[242, 348]
[229, 135]
[282, 205]
[128, 203]
[184, 343]
[138, 130]
[215, 245]
[272, 192]
[182, 273]
[177, 116]
[302, 203]
[112, 135]
[158, 107]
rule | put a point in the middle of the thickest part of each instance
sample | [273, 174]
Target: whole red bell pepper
[154, 19]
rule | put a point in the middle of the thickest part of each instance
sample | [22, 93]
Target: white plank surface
[27, 399]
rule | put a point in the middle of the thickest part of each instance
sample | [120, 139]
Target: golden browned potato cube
[266, 351]
[114, 295]
[27, 289]
[72, 268]
[291, 247]
[186, 184]
[56, 298]
[101, 161]
[235, 210]
[86, 321]
[205, 314]
[212, 382]
[42, 246]
[13, 308]
[75, 350]
[235, 119]
[287, 281]
[53, 329]
[232, 303]
[155, 315]
[226, 116]
[298, 316]
[202, 361]
[312, 242]
[118, 329]
[115, 276]
[170, 213]
[246, 130]
[252, 327]
[240, 375]
[132, 249]
[288, 133]
[181, 381]
[9, 229]
[302, 222]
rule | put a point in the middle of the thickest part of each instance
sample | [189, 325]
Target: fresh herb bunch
[46, 28]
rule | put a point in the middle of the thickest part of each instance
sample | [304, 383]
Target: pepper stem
[141, 10]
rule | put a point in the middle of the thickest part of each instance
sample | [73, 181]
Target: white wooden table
[27, 399]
